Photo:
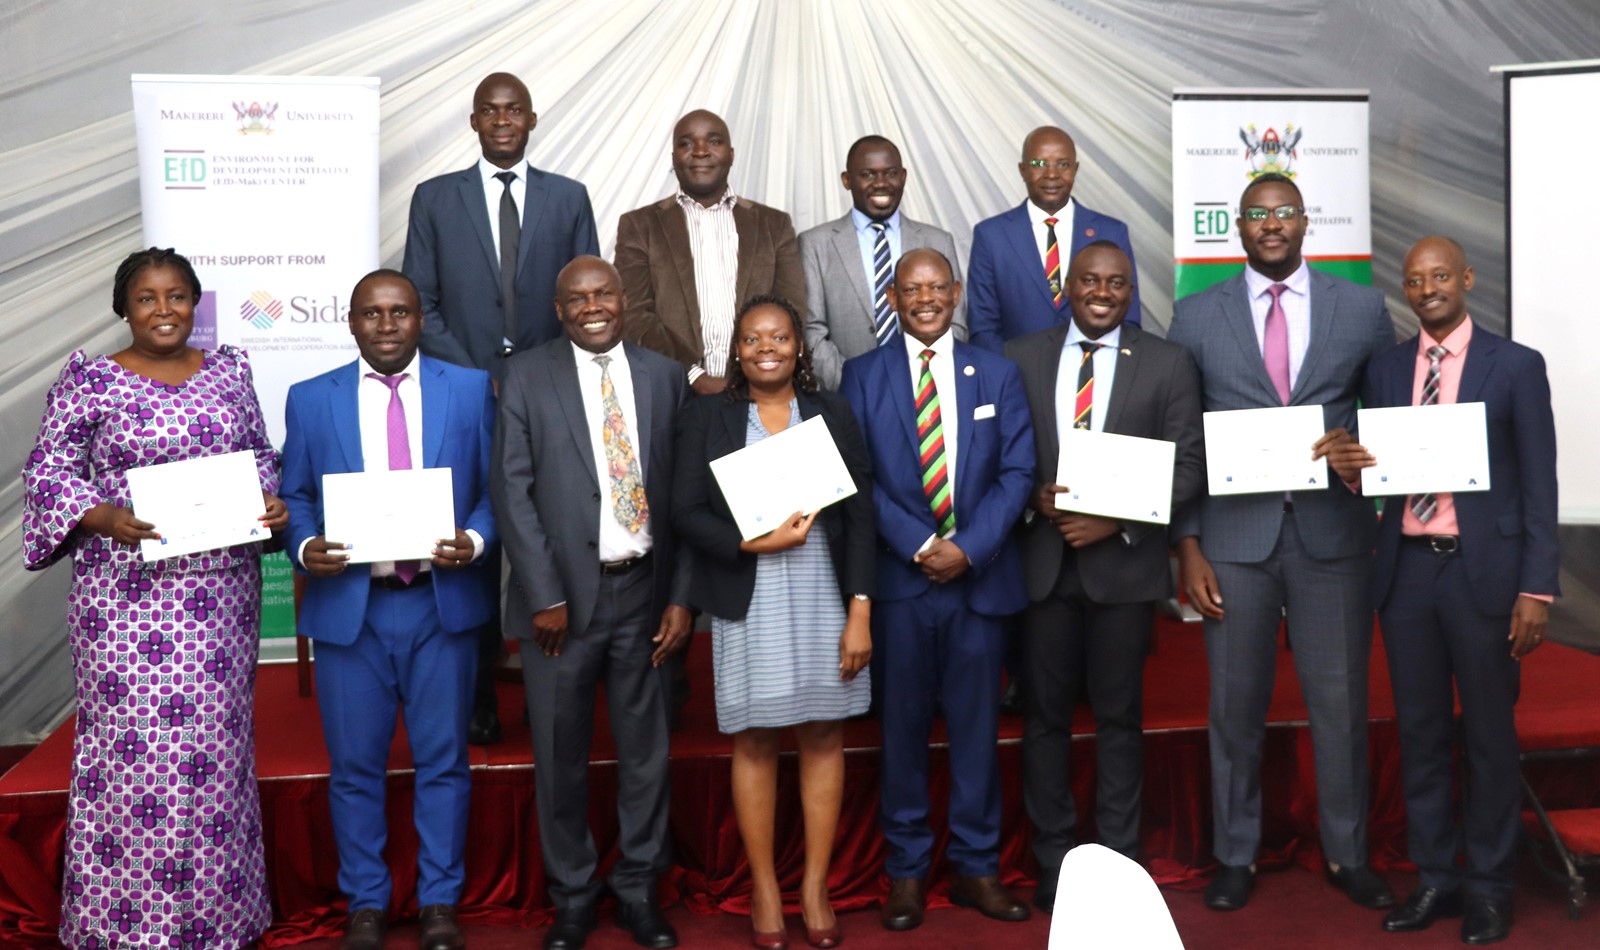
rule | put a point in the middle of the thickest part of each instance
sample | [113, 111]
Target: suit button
[592, 545]
[596, 496]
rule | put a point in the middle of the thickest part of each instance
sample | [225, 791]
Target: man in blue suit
[952, 462]
[484, 246]
[393, 634]
[1463, 587]
[1017, 274]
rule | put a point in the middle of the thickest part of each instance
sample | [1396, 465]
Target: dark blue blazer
[1508, 533]
[324, 437]
[451, 257]
[1007, 293]
[994, 471]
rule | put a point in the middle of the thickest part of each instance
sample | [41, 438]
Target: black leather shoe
[1362, 885]
[1488, 920]
[988, 896]
[1422, 908]
[1044, 896]
[364, 930]
[643, 919]
[903, 908]
[484, 726]
[1230, 889]
[572, 928]
[438, 929]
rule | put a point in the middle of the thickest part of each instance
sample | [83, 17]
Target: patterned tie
[930, 438]
[628, 500]
[1423, 506]
[884, 322]
[399, 454]
[1275, 345]
[510, 236]
[1052, 259]
[1082, 410]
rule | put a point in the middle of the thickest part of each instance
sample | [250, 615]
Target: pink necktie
[399, 454]
[1275, 346]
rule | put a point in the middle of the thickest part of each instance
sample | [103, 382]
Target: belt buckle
[1444, 543]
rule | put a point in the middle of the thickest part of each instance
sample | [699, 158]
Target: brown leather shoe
[364, 930]
[986, 894]
[438, 928]
[902, 909]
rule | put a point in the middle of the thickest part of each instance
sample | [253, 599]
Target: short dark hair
[804, 379]
[1268, 179]
[866, 141]
[386, 272]
[138, 261]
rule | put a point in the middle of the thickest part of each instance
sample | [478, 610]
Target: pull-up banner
[1224, 138]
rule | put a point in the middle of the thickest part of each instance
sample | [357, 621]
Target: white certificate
[1264, 450]
[799, 469]
[199, 504]
[1117, 476]
[388, 516]
[1425, 449]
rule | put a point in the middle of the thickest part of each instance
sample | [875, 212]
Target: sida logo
[256, 117]
[261, 310]
[1269, 154]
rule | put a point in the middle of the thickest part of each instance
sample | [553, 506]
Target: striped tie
[1052, 260]
[930, 438]
[883, 319]
[1085, 404]
[1424, 505]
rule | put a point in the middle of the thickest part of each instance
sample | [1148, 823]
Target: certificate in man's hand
[1425, 449]
[1264, 450]
[799, 469]
[388, 516]
[1117, 476]
[199, 504]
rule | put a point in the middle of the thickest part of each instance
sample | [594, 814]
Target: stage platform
[505, 882]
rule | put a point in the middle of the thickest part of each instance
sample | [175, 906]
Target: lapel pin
[1088, 232]
[969, 370]
[1126, 352]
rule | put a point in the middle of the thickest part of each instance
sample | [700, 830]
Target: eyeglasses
[1281, 212]
[1061, 164]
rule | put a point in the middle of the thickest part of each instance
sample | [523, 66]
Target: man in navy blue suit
[394, 635]
[1017, 274]
[1463, 587]
[484, 246]
[952, 463]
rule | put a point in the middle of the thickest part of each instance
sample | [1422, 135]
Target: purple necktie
[399, 454]
[1275, 346]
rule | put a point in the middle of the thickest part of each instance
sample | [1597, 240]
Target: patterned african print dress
[164, 818]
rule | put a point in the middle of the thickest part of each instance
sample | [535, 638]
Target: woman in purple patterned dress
[164, 817]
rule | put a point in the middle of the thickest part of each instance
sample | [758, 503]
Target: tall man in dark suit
[1463, 585]
[582, 489]
[396, 635]
[1019, 257]
[952, 464]
[1092, 581]
[689, 260]
[849, 263]
[483, 246]
[1283, 334]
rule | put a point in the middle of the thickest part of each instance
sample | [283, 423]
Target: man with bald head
[849, 263]
[1463, 586]
[1016, 276]
[689, 260]
[582, 486]
[483, 246]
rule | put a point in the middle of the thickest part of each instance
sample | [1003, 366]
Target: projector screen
[1553, 256]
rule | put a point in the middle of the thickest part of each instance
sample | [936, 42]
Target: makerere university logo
[1270, 154]
[256, 117]
[261, 310]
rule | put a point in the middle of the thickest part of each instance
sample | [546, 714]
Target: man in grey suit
[582, 489]
[1283, 334]
[1093, 581]
[849, 263]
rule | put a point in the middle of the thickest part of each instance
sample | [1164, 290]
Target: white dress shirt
[714, 243]
[1064, 219]
[867, 238]
[1105, 374]
[1296, 303]
[492, 190]
[943, 367]
[617, 543]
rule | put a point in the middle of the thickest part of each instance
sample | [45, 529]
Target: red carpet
[505, 889]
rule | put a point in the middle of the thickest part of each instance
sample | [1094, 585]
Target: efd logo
[255, 117]
[261, 310]
[1269, 154]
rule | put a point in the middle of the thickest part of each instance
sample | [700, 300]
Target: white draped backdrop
[957, 83]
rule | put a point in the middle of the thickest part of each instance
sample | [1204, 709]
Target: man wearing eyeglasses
[1282, 334]
[1017, 273]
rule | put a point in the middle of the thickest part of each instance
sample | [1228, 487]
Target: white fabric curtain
[957, 83]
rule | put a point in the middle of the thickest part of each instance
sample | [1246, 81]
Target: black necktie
[510, 235]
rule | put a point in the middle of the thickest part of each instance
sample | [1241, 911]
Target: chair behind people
[1106, 900]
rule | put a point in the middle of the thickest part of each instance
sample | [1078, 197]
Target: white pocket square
[983, 412]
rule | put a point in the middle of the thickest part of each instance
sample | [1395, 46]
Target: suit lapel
[675, 226]
[435, 409]
[735, 421]
[1126, 378]
[744, 223]
[643, 401]
[1323, 297]
[534, 197]
[564, 383]
[1048, 356]
[897, 377]
[1236, 311]
[1481, 353]
[847, 245]
[469, 187]
[1025, 247]
[346, 412]
[968, 398]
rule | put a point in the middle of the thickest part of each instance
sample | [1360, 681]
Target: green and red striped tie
[930, 439]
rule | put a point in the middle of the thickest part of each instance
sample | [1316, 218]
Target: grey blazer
[1349, 326]
[546, 491]
[839, 299]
